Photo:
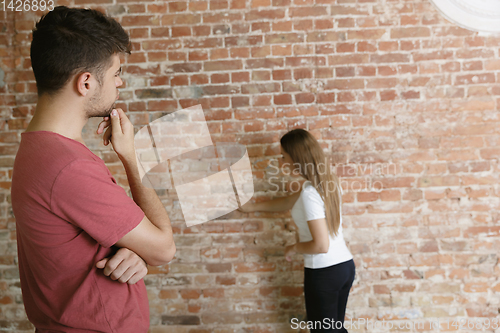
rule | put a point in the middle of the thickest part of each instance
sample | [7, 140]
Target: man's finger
[116, 127]
[102, 263]
[119, 272]
[138, 276]
[134, 279]
[112, 265]
[102, 125]
[124, 121]
[107, 136]
[125, 276]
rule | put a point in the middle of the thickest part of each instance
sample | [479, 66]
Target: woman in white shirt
[329, 268]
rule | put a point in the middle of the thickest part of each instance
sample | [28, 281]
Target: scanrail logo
[476, 15]
[176, 151]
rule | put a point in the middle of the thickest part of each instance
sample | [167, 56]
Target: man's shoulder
[42, 156]
[54, 148]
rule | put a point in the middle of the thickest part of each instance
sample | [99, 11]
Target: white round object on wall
[477, 15]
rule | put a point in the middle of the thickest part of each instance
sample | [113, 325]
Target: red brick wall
[406, 102]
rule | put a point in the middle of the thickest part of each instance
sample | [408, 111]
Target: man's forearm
[146, 198]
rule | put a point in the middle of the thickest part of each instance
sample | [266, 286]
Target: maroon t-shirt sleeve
[86, 195]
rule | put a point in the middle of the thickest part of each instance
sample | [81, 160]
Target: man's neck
[59, 116]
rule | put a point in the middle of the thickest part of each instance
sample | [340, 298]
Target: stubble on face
[99, 104]
[95, 106]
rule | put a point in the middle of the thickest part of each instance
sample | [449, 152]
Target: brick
[219, 78]
[474, 53]
[139, 20]
[240, 76]
[221, 16]
[261, 3]
[284, 38]
[254, 267]
[261, 27]
[304, 98]
[259, 52]
[201, 30]
[411, 32]
[475, 78]
[343, 84]
[177, 6]
[388, 95]
[282, 99]
[195, 6]
[391, 57]
[243, 40]
[301, 61]
[161, 44]
[181, 80]
[222, 65]
[270, 14]
[281, 50]
[388, 46]
[282, 74]
[327, 98]
[261, 100]
[308, 11]
[302, 73]
[218, 4]
[451, 31]
[240, 52]
[260, 88]
[153, 93]
[264, 63]
[208, 42]
[198, 55]
[254, 114]
[323, 24]
[222, 318]
[181, 31]
[366, 71]
[366, 34]
[349, 10]
[387, 70]
[346, 22]
[348, 59]
[253, 126]
[240, 101]
[180, 320]
[282, 26]
[302, 49]
[382, 83]
[174, 56]
[168, 294]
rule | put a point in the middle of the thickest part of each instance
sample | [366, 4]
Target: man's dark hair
[68, 41]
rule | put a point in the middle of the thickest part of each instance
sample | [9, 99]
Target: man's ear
[84, 83]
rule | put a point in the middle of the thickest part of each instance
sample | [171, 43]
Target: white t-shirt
[310, 206]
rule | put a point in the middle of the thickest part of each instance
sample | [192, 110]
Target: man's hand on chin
[124, 266]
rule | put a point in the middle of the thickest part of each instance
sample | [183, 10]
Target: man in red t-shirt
[83, 244]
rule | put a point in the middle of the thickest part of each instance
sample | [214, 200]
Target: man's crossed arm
[151, 242]
[124, 266]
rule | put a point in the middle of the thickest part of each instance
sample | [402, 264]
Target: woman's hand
[289, 252]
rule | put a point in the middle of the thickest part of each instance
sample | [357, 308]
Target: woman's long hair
[307, 155]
